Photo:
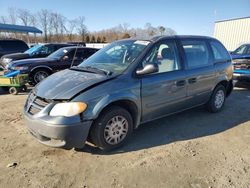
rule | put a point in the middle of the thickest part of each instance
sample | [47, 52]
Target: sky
[184, 16]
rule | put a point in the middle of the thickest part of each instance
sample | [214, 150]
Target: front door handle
[192, 80]
[180, 83]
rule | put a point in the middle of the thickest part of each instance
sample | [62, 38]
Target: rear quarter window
[219, 52]
[196, 52]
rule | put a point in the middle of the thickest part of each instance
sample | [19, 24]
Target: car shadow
[187, 125]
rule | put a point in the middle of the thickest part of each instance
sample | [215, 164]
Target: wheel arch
[40, 67]
[128, 105]
[228, 84]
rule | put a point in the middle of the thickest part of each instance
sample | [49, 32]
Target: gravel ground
[192, 149]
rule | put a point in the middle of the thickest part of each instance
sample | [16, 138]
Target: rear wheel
[217, 100]
[13, 90]
[39, 75]
[112, 129]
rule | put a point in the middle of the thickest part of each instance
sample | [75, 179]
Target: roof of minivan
[156, 38]
[181, 37]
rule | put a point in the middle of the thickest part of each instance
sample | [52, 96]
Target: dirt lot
[191, 149]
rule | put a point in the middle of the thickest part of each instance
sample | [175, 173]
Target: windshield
[34, 49]
[240, 50]
[59, 54]
[116, 57]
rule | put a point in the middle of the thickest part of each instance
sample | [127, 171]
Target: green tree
[93, 39]
[98, 40]
[87, 39]
[104, 40]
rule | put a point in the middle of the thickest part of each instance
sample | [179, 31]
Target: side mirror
[148, 69]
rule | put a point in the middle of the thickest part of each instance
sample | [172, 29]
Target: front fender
[107, 100]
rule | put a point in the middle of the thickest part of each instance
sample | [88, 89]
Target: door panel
[200, 84]
[200, 70]
[163, 94]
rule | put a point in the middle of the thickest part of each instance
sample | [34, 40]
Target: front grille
[241, 66]
[35, 104]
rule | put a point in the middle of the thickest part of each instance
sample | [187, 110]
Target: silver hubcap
[219, 99]
[39, 76]
[116, 130]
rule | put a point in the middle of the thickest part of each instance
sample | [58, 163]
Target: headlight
[19, 68]
[6, 60]
[68, 109]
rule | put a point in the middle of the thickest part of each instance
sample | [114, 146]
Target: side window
[20, 46]
[89, 52]
[71, 54]
[79, 55]
[220, 53]
[241, 50]
[196, 52]
[248, 50]
[165, 55]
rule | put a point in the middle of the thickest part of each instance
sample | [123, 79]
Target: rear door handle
[192, 80]
[180, 83]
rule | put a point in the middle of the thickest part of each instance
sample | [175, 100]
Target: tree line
[57, 28]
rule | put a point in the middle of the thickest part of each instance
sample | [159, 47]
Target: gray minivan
[125, 84]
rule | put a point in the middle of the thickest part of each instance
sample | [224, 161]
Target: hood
[16, 56]
[236, 56]
[66, 84]
[29, 61]
[13, 57]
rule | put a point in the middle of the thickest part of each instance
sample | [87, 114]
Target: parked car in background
[8, 46]
[241, 62]
[39, 50]
[125, 84]
[40, 68]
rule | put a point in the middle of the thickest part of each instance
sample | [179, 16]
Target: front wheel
[112, 129]
[39, 75]
[217, 100]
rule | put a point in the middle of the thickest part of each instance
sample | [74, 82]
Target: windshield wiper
[92, 70]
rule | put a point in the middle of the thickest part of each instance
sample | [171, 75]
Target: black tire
[24, 88]
[98, 131]
[213, 106]
[13, 90]
[38, 75]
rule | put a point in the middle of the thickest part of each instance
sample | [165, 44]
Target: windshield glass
[34, 49]
[240, 50]
[116, 57]
[58, 54]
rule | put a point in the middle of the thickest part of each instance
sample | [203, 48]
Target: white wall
[233, 33]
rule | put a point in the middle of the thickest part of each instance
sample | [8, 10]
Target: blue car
[241, 62]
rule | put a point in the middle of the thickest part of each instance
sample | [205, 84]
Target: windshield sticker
[142, 42]
[65, 51]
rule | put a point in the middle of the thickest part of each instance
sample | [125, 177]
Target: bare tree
[24, 15]
[71, 28]
[162, 29]
[151, 31]
[3, 19]
[44, 19]
[12, 15]
[33, 20]
[81, 27]
[58, 25]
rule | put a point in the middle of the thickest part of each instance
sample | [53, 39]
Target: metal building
[233, 32]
